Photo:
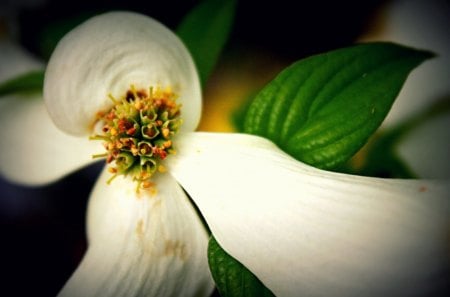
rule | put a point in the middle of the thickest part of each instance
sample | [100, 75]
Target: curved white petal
[142, 244]
[309, 232]
[33, 151]
[426, 148]
[15, 61]
[107, 54]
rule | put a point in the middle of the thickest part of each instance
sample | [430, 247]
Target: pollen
[137, 133]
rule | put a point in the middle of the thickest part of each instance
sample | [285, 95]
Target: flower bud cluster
[138, 131]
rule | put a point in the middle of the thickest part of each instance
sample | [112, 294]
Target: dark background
[43, 236]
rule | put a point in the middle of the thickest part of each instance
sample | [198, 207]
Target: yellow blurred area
[239, 75]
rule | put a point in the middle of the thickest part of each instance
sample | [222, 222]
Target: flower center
[137, 133]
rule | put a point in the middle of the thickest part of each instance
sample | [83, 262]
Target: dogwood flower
[297, 228]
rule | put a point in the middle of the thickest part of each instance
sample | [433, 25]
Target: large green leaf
[231, 277]
[25, 83]
[322, 110]
[205, 31]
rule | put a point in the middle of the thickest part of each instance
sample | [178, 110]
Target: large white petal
[309, 232]
[107, 54]
[142, 244]
[33, 151]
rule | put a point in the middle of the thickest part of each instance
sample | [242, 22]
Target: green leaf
[205, 31]
[322, 110]
[25, 83]
[231, 277]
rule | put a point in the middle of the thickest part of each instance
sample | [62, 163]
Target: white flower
[299, 229]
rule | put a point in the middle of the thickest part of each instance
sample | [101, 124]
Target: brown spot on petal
[175, 249]
[423, 189]
[140, 228]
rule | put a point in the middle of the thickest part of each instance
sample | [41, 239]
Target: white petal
[426, 148]
[33, 150]
[142, 245]
[107, 54]
[311, 232]
[15, 61]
